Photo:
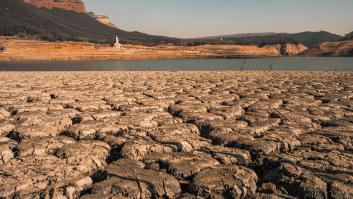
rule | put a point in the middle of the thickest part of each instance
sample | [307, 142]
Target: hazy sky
[193, 18]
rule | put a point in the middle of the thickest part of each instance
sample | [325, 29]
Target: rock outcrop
[104, 20]
[293, 49]
[74, 5]
[331, 49]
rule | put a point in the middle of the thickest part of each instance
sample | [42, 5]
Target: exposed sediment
[16, 49]
[331, 49]
[176, 135]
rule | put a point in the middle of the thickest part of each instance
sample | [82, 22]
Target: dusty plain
[176, 135]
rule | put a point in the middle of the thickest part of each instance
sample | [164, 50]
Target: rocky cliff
[102, 18]
[74, 5]
[281, 49]
[331, 49]
[293, 49]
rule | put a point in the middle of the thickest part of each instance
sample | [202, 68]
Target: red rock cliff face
[74, 5]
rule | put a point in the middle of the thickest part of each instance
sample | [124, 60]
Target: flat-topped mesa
[73, 5]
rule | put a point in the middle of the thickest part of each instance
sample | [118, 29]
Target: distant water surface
[259, 64]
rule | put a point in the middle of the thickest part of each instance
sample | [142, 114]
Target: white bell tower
[117, 43]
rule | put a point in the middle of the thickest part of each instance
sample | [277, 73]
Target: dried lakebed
[176, 135]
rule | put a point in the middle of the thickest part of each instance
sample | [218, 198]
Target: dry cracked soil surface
[176, 135]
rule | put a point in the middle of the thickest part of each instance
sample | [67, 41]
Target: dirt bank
[331, 49]
[15, 49]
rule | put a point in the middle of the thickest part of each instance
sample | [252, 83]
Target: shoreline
[15, 50]
[279, 64]
[141, 59]
[161, 59]
[23, 50]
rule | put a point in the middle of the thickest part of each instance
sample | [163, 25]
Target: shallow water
[259, 64]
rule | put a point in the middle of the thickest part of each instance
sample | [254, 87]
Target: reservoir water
[258, 64]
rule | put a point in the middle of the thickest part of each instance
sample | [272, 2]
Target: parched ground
[176, 135]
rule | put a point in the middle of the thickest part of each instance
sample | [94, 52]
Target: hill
[240, 35]
[312, 39]
[309, 39]
[349, 36]
[18, 18]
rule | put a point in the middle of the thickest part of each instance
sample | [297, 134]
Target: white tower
[117, 44]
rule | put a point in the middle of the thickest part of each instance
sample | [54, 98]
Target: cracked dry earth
[176, 135]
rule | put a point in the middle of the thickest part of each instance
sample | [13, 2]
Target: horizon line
[230, 34]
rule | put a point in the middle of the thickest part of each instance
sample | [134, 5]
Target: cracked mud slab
[176, 135]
